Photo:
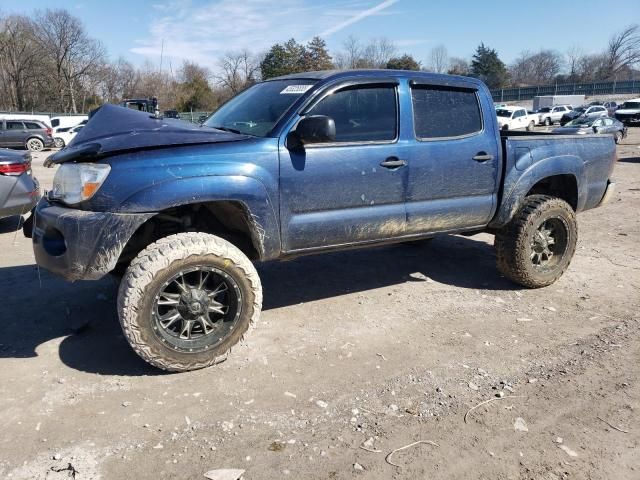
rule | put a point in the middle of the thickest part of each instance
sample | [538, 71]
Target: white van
[26, 116]
[66, 121]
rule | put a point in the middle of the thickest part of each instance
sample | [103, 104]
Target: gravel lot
[376, 348]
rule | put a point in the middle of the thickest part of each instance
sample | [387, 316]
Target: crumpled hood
[113, 129]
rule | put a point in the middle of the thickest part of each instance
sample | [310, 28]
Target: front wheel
[535, 248]
[531, 126]
[618, 137]
[187, 299]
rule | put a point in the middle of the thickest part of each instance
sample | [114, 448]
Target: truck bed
[585, 161]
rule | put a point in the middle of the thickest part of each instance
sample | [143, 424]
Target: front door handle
[483, 157]
[393, 162]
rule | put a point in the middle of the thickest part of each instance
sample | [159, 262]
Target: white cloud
[203, 33]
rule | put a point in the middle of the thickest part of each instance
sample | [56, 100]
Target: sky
[203, 30]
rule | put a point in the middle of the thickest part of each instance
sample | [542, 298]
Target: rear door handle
[393, 162]
[483, 157]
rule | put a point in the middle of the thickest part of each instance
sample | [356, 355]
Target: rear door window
[440, 112]
[32, 126]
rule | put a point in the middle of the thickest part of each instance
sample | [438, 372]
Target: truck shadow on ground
[629, 160]
[44, 309]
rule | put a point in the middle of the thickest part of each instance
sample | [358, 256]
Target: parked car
[19, 190]
[550, 115]
[629, 112]
[582, 126]
[45, 119]
[513, 118]
[66, 121]
[593, 111]
[29, 134]
[611, 107]
[294, 165]
[62, 139]
[171, 114]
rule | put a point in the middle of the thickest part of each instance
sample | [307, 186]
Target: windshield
[256, 110]
[630, 105]
[501, 112]
[580, 122]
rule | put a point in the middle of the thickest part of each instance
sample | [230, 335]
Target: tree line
[49, 62]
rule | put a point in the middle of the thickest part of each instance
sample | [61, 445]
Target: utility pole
[161, 54]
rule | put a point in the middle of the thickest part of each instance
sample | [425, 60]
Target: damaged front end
[78, 244]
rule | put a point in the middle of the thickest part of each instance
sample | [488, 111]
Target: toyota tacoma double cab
[301, 164]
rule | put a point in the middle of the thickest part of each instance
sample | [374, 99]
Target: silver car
[19, 190]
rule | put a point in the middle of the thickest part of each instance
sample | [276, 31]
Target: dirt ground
[374, 348]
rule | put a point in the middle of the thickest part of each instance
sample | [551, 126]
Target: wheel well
[226, 219]
[560, 186]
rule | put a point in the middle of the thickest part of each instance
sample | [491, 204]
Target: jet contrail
[358, 17]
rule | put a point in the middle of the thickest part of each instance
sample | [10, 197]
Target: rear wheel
[535, 248]
[187, 299]
[58, 142]
[35, 144]
[547, 122]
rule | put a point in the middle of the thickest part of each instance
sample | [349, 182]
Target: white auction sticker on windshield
[296, 89]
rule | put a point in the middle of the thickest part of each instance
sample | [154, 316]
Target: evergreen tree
[316, 56]
[283, 59]
[405, 62]
[487, 66]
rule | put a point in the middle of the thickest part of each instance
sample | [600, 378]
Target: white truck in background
[514, 118]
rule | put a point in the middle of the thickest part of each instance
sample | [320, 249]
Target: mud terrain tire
[177, 257]
[543, 225]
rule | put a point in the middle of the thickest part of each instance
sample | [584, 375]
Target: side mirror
[313, 129]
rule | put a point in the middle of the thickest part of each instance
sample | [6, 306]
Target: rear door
[351, 190]
[453, 160]
[15, 134]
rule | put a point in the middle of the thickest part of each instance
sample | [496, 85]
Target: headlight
[76, 182]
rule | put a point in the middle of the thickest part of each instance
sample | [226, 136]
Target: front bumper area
[78, 244]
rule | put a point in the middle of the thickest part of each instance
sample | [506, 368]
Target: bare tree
[623, 52]
[573, 56]
[439, 59]
[536, 68]
[72, 53]
[374, 54]
[459, 66]
[18, 59]
[238, 70]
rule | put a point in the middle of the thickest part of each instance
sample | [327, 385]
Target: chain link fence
[587, 89]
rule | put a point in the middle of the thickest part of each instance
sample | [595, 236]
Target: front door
[453, 161]
[350, 190]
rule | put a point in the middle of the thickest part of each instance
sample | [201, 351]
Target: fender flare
[518, 184]
[248, 191]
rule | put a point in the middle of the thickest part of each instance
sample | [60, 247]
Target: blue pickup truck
[301, 164]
